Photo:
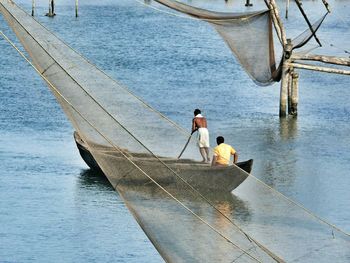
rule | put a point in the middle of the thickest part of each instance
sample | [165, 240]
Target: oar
[189, 138]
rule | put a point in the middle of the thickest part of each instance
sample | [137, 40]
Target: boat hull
[199, 175]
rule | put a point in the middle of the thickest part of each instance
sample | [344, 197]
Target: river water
[55, 209]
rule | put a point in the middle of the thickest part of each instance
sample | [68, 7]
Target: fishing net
[305, 36]
[248, 35]
[184, 207]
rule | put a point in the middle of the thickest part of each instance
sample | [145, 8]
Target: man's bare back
[199, 122]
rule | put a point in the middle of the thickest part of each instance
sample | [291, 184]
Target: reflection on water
[96, 179]
[288, 128]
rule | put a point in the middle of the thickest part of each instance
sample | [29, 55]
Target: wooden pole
[322, 58]
[274, 8]
[308, 22]
[290, 91]
[51, 8]
[284, 90]
[287, 47]
[295, 94]
[247, 3]
[33, 7]
[326, 5]
[76, 8]
[287, 7]
[318, 68]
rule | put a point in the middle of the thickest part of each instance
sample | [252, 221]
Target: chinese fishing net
[248, 35]
[182, 206]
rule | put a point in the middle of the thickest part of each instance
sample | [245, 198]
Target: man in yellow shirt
[223, 152]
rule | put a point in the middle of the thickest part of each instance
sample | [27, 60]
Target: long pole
[287, 7]
[33, 7]
[322, 58]
[76, 8]
[321, 69]
[295, 94]
[308, 22]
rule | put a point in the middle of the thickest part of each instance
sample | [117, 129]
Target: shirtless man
[199, 123]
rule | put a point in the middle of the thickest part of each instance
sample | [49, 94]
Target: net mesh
[174, 202]
[305, 36]
[248, 35]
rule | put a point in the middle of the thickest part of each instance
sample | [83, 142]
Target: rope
[125, 156]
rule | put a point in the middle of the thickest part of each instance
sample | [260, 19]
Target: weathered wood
[275, 10]
[322, 58]
[286, 70]
[290, 91]
[76, 8]
[284, 90]
[318, 68]
[295, 94]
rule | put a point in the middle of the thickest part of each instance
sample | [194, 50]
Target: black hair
[220, 139]
[197, 111]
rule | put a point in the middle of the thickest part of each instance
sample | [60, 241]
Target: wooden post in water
[51, 8]
[285, 78]
[76, 8]
[33, 7]
[295, 94]
[247, 3]
[290, 83]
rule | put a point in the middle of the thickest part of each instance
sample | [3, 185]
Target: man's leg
[203, 153]
[207, 154]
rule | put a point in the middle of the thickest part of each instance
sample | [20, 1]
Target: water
[54, 209]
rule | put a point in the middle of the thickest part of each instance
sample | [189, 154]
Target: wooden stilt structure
[289, 80]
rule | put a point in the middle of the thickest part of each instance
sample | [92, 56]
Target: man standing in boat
[223, 152]
[199, 123]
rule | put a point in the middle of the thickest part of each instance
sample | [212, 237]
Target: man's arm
[235, 157]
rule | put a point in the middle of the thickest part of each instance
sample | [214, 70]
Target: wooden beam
[318, 68]
[295, 94]
[325, 59]
[274, 8]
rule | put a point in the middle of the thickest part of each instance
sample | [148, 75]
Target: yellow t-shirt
[223, 153]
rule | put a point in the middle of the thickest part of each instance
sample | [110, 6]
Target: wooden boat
[199, 175]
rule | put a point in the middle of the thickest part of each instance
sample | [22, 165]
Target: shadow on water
[227, 203]
[94, 179]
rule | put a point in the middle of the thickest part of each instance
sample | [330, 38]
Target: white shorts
[203, 137]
